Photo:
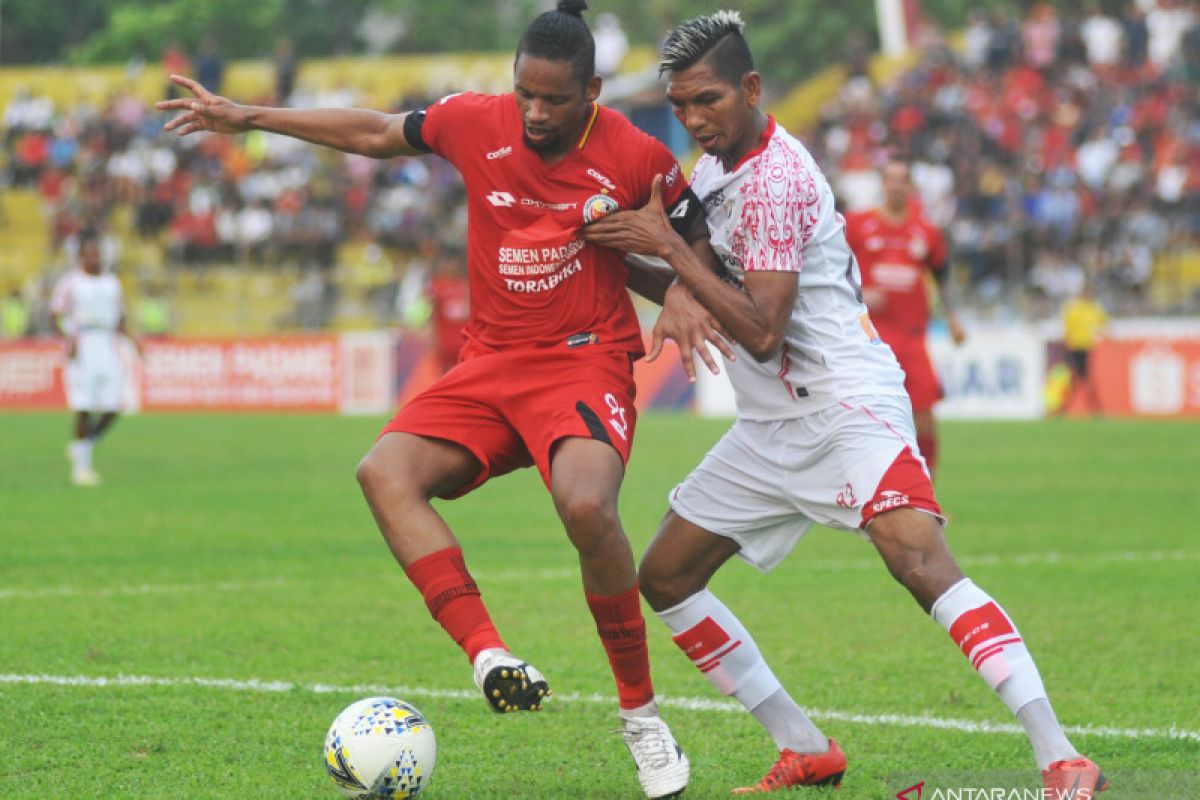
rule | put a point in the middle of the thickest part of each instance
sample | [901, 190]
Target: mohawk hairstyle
[717, 37]
[562, 35]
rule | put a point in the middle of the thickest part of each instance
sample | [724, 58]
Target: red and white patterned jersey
[533, 283]
[775, 211]
[894, 257]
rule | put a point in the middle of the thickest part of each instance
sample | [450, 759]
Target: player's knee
[665, 582]
[588, 517]
[375, 478]
[661, 586]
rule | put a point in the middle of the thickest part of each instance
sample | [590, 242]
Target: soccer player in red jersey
[545, 376]
[450, 307]
[896, 247]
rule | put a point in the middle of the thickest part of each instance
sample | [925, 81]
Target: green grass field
[228, 582]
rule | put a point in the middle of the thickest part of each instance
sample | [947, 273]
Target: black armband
[684, 214]
[412, 131]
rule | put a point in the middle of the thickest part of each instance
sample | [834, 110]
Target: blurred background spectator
[1054, 148]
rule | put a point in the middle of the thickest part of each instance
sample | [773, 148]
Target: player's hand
[957, 334]
[642, 231]
[692, 328]
[204, 112]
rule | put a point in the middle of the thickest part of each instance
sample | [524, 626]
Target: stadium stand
[1049, 157]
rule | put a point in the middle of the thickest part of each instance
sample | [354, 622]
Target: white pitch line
[139, 589]
[1048, 558]
[572, 573]
[686, 703]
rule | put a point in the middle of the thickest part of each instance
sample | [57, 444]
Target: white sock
[648, 710]
[993, 645]
[81, 453]
[789, 725]
[720, 646]
[1049, 742]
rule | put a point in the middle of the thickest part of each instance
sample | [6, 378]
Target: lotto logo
[501, 199]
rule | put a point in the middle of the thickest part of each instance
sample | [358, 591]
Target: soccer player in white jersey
[824, 432]
[88, 309]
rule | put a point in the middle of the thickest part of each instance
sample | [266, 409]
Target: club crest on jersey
[597, 206]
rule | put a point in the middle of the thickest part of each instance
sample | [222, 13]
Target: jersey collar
[587, 129]
[763, 140]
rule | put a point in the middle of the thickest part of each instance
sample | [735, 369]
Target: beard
[550, 145]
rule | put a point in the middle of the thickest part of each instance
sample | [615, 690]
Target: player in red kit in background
[450, 306]
[896, 247]
[545, 377]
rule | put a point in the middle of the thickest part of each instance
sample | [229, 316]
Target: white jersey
[91, 309]
[775, 211]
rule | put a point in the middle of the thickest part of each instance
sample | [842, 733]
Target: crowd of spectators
[259, 201]
[1054, 149]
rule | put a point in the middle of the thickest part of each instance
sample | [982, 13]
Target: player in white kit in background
[824, 432]
[88, 310]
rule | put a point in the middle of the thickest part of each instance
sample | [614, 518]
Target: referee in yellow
[1083, 321]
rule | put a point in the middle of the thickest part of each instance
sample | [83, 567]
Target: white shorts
[95, 378]
[766, 483]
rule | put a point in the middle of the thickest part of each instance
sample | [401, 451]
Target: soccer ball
[380, 747]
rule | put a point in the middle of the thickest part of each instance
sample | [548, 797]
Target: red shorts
[920, 381]
[510, 408]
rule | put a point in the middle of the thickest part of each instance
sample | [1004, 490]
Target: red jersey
[893, 258]
[451, 302]
[533, 283]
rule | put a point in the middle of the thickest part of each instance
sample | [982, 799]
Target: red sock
[622, 630]
[928, 447]
[454, 600]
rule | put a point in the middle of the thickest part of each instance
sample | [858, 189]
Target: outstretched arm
[756, 318]
[352, 130]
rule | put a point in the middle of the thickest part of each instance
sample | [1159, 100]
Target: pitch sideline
[1047, 558]
[686, 703]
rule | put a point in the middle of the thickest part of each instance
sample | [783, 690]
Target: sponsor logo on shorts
[889, 499]
[597, 206]
[846, 498]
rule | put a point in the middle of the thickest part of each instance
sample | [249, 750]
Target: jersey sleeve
[657, 160]
[449, 121]
[780, 212]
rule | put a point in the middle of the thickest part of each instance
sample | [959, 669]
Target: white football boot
[663, 769]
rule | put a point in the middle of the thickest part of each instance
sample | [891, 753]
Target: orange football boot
[1080, 779]
[802, 769]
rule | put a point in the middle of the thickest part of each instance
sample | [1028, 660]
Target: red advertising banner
[280, 374]
[1147, 377]
[31, 374]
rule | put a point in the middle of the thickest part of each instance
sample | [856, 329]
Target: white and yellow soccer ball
[380, 747]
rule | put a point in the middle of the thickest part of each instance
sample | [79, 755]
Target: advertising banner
[277, 374]
[1148, 377]
[31, 374]
[998, 373]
